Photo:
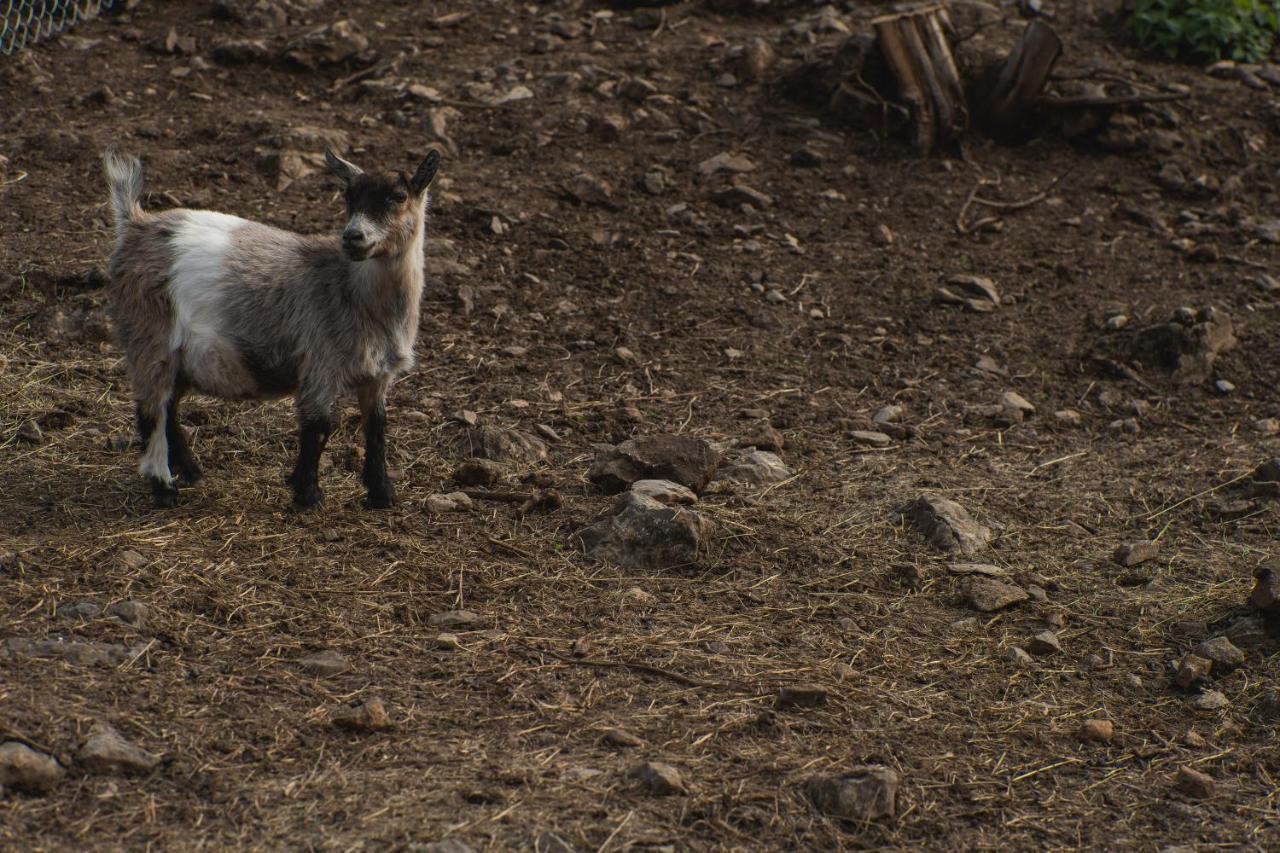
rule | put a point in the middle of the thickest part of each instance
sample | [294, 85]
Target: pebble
[1067, 417]
[132, 559]
[989, 595]
[130, 612]
[657, 778]
[483, 473]
[1037, 594]
[863, 793]
[888, 415]
[621, 738]
[1222, 652]
[105, 751]
[1097, 731]
[665, 492]
[1194, 739]
[946, 525]
[765, 437]
[369, 715]
[1191, 670]
[1014, 405]
[1222, 387]
[801, 696]
[869, 438]
[28, 770]
[1044, 643]
[448, 642]
[805, 158]
[1210, 700]
[454, 619]
[1195, 784]
[1018, 655]
[79, 610]
[1135, 553]
[326, 663]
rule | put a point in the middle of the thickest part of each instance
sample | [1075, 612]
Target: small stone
[1037, 594]
[368, 715]
[725, 162]
[1191, 670]
[1067, 417]
[965, 625]
[1136, 553]
[130, 612]
[23, 768]
[448, 642]
[1097, 731]
[132, 559]
[987, 364]
[1195, 784]
[801, 696]
[868, 438]
[506, 446]
[1018, 655]
[1223, 654]
[326, 663]
[455, 619]
[636, 89]
[765, 437]
[1194, 739]
[1015, 407]
[1116, 322]
[757, 59]
[665, 492]
[1210, 700]
[887, 415]
[989, 595]
[975, 287]
[682, 459]
[755, 468]
[621, 738]
[644, 534]
[946, 525]
[79, 610]
[107, 752]
[1044, 643]
[636, 595]
[863, 794]
[805, 158]
[1133, 681]
[657, 778]
[437, 504]
[1266, 589]
[984, 569]
[1248, 632]
[482, 473]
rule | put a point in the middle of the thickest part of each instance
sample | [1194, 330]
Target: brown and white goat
[206, 302]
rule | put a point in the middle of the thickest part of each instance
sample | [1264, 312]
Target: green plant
[1206, 30]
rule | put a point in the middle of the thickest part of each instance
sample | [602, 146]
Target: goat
[207, 302]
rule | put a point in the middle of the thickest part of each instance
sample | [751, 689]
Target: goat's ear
[426, 172]
[342, 168]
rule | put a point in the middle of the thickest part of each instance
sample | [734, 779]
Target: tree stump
[1006, 97]
[915, 48]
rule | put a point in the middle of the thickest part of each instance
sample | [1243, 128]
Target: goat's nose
[354, 238]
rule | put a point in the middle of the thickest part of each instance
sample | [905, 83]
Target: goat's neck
[396, 279]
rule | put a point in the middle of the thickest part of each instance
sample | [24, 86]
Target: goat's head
[384, 212]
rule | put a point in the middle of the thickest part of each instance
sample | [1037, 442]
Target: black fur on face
[378, 197]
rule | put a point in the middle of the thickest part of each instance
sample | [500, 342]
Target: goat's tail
[124, 182]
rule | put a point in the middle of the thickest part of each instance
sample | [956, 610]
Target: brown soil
[812, 581]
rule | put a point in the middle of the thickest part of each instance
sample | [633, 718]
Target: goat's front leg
[373, 413]
[315, 422]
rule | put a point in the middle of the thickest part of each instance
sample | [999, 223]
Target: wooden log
[1005, 101]
[915, 48]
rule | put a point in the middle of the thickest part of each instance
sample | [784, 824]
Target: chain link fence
[24, 22]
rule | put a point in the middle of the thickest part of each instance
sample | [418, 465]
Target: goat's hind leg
[152, 415]
[315, 422]
[182, 461]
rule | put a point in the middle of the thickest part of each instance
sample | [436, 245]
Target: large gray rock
[755, 468]
[864, 793]
[106, 751]
[23, 768]
[680, 458]
[664, 492]
[502, 445]
[73, 652]
[989, 595]
[946, 525]
[645, 534]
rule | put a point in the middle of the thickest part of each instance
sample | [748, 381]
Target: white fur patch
[155, 459]
[200, 244]
[372, 231]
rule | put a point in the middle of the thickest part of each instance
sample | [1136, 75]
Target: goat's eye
[399, 197]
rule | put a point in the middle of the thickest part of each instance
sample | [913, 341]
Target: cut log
[916, 50]
[1006, 98]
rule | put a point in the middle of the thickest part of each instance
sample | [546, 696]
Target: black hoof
[380, 500]
[163, 494]
[307, 499]
[190, 476]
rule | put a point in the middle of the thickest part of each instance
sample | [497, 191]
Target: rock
[657, 778]
[326, 663]
[984, 569]
[105, 751]
[1194, 739]
[1015, 408]
[636, 89]
[23, 768]
[1136, 553]
[682, 459]
[1266, 588]
[637, 596]
[765, 437]
[1037, 594]
[863, 794]
[1018, 655]
[1268, 472]
[1248, 632]
[805, 158]
[754, 468]
[946, 525]
[607, 128]
[455, 619]
[1187, 346]
[801, 696]
[1222, 387]
[621, 738]
[988, 595]
[73, 652]
[585, 188]
[739, 194]
[449, 642]
[1044, 643]
[757, 59]
[484, 473]
[1267, 426]
[870, 439]
[1067, 417]
[1191, 670]
[1210, 700]
[330, 44]
[1097, 731]
[1116, 322]
[79, 610]
[515, 93]
[987, 364]
[1222, 653]
[1195, 784]
[130, 612]
[241, 52]
[888, 415]
[452, 502]
[664, 492]
[645, 535]
[368, 715]
[725, 162]
[282, 168]
[132, 559]
[502, 445]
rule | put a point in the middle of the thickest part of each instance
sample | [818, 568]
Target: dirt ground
[654, 310]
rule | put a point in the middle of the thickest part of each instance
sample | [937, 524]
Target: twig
[973, 199]
[1187, 500]
[376, 70]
